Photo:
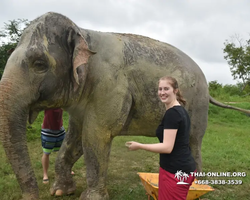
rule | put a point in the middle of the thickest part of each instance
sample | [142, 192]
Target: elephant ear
[81, 54]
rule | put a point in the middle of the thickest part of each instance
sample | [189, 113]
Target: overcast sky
[197, 27]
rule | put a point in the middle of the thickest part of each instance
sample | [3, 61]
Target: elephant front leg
[100, 125]
[96, 153]
[69, 153]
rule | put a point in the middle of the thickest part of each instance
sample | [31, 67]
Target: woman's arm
[165, 147]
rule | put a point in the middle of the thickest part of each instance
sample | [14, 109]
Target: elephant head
[47, 69]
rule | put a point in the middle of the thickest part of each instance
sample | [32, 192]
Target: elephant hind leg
[198, 128]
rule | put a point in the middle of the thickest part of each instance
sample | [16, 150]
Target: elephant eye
[40, 66]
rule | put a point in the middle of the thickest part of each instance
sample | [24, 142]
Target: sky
[199, 28]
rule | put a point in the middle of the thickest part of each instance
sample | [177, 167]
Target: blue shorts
[51, 142]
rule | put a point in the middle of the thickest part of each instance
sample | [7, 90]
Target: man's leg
[48, 144]
[45, 164]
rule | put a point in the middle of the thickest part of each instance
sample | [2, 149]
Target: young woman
[174, 149]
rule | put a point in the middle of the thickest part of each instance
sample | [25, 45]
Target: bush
[232, 89]
[229, 92]
[215, 88]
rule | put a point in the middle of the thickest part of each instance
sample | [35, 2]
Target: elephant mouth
[32, 116]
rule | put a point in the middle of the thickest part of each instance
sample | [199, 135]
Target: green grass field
[225, 148]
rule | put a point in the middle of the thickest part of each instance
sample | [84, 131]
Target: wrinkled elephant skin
[107, 82]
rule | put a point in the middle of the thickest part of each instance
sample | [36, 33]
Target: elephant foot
[94, 195]
[60, 188]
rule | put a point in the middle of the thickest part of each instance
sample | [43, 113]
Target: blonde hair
[173, 82]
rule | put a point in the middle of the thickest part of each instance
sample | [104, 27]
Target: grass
[225, 148]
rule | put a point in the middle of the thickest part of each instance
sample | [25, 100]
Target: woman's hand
[133, 145]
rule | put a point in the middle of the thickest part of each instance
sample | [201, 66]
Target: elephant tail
[217, 103]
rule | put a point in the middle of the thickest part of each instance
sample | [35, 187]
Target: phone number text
[218, 182]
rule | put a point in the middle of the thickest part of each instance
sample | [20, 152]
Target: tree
[238, 57]
[9, 38]
[13, 30]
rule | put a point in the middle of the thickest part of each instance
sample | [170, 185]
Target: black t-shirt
[180, 158]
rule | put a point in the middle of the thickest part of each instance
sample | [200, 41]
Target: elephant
[107, 82]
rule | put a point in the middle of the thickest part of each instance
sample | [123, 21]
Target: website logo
[182, 177]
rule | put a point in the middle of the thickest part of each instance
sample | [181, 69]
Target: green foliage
[214, 85]
[238, 58]
[228, 92]
[4, 55]
[9, 38]
[215, 88]
[232, 89]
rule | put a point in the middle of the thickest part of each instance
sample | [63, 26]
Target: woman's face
[166, 92]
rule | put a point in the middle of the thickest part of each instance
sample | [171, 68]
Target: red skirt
[168, 187]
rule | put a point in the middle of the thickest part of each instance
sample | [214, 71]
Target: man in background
[52, 135]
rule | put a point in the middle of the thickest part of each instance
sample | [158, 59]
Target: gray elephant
[107, 82]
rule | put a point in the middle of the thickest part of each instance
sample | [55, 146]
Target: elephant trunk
[13, 119]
